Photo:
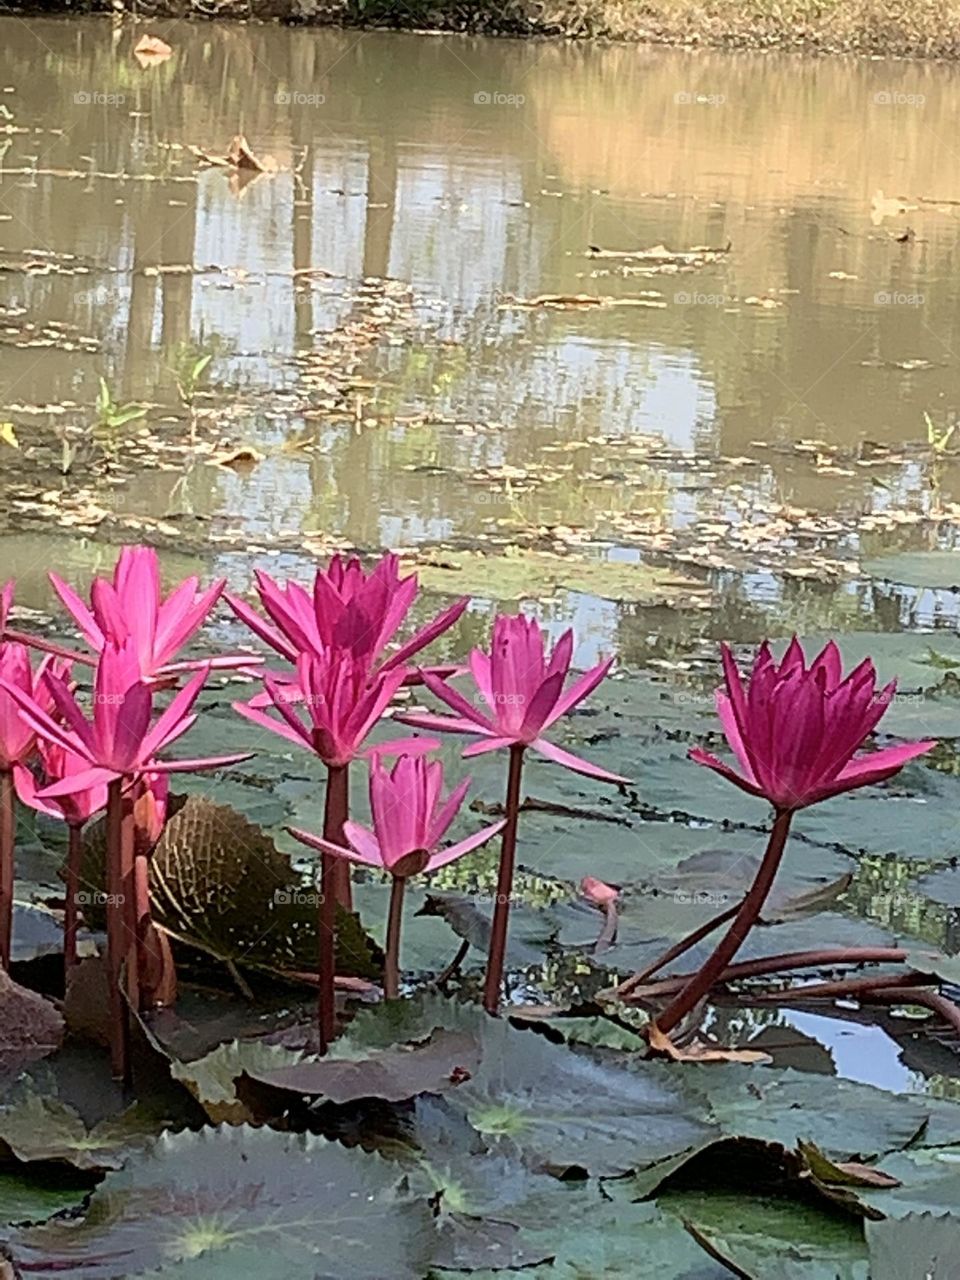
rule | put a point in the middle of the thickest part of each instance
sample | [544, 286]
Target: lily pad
[921, 1246]
[536, 575]
[35, 1128]
[30, 1027]
[212, 1078]
[238, 1201]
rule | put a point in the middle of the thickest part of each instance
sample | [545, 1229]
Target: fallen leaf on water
[150, 51]
[8, 435]
[243, 458]
[698, 1052]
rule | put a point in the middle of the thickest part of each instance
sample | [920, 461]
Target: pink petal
[442, 724]
[198, 765]
[81, 614]
[699, 756]
[334, 850]
[576, 763]
[581, 688]
[875, 767]
[455, 700]
[486, 744]
[270, 635]
[442, 622]
[85, 780]
[400, 747]
[446, 856]
[263, 721]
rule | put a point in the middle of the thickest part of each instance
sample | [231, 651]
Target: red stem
[391, 964]
[731, 942]
[678, 949]
[7, 829]
[70, 914]
[835, 990]
[779, 964]
[501, 908]
[116, 933]
[336, 807]
[913, 995]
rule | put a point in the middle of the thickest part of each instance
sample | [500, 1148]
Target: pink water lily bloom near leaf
[334, 706]
[795, 730]
[519, 694]
[410, 818]
[347, 607]
[132, 607]
[17, 737]
[118, 740]
[56, 763]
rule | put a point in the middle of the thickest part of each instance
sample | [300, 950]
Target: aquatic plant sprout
[795, 731]
[523, 693]
[410, 818]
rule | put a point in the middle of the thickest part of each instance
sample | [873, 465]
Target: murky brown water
[392, 163]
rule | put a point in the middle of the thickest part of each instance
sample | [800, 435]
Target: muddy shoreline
[861, 27]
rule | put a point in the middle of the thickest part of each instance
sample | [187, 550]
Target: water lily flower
[342, 699]
[522, 694]
[17, 743]
[118, 741]
[519, 694]
[57, 763]
[133, 607]
[346, 607]
[795, 730]
[410, 818]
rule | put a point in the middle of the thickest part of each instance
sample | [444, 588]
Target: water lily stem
[7, 827]
[117, 936]
[334, 816]
[747, 915]
[678, 949]
[70, 914]
[391, 965]
[501, 908]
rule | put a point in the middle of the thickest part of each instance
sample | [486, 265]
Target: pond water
[643, 310]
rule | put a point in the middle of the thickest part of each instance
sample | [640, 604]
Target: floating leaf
[30, 1027]
[238, 1201]
[35, 1128]
[920, 1246]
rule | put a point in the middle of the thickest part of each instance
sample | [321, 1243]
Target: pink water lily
[132, 607]
[118, 741]
[346, 607]
[519, 694]
[795, 729]
[6, 602]
[56, 763]
[410, 818]
[17, 737]
[342, 701]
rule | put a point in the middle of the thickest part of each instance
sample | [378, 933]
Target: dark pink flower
[118, 740]
[334, 704]
[410, 818]
[519, 694]
[795, 730]
[346, 608]
[57, 764]
[132, 607]
[17, 738]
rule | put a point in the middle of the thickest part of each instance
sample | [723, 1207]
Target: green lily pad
[535, 575]
[28, 1196]
[921, 1246]
[763, 1238]
[917, 569]
[237, 1201]
[929, 1179]
[212, 1078]
[36, 1128]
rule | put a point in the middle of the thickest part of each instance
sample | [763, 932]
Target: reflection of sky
[862, 1053]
